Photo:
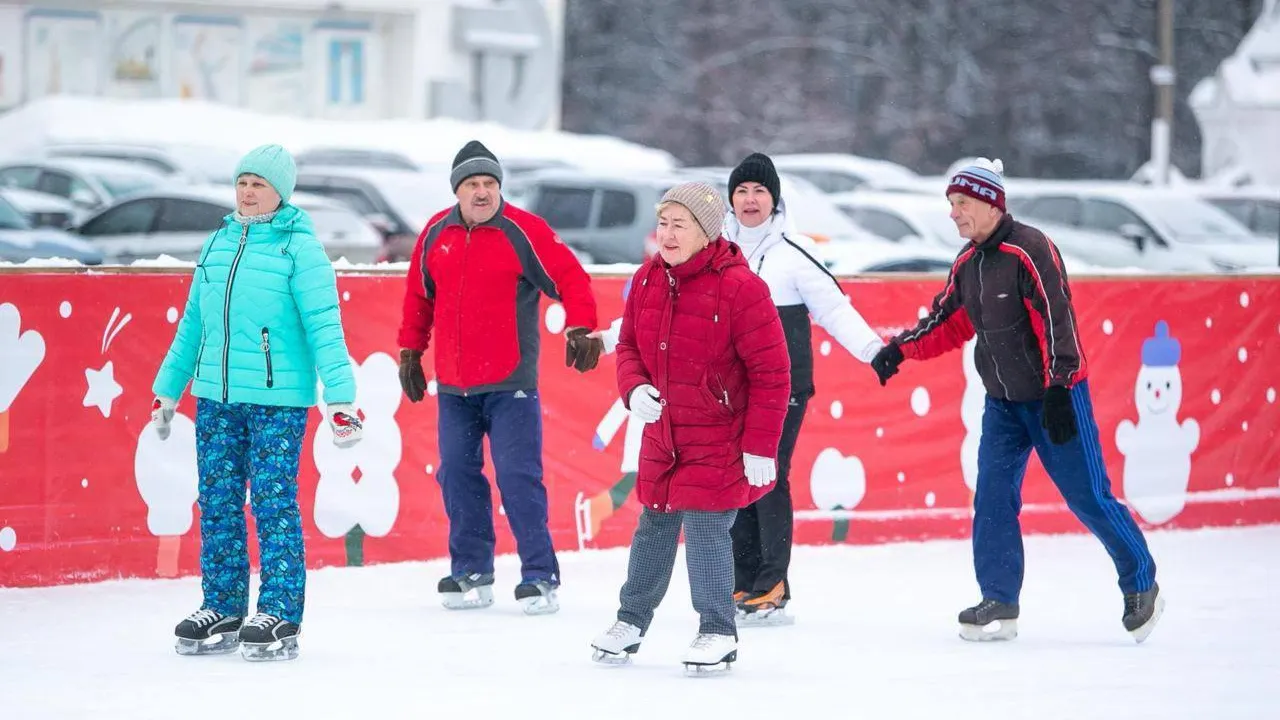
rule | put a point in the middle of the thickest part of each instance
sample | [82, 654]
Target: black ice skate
[711, 654]
[468, 592]
[762, 609]
[208, 632]
[537, 597]
[989, 620]
[1142, 611]
[267, 637]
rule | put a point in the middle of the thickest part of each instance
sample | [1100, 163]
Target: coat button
[655, 506]
[662, 346]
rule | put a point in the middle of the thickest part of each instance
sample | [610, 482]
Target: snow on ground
[875, 638]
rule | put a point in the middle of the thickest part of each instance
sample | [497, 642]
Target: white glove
[345, 424]
[162, 411]
[644, 404]
[760, 470]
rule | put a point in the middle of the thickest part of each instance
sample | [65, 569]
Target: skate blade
[604, 657]
[1144, 631]
[693, 669]
[775, 618]
[582, 517]
[286, 649]
[481, 597]
[223, 644]
[543, 605]
[993, 631]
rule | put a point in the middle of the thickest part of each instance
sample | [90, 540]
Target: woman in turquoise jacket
[261, 322]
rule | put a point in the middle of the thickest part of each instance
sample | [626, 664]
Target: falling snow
[1216, 397]
[1108, 327]
[1244, 299]
[825, 348]
[837, 409]
[1243, 355]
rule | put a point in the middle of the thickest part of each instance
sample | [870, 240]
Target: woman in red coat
[702, 360]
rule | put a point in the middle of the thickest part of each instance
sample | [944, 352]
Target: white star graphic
[103, 388]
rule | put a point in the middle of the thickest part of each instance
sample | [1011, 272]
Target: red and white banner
[1190, 439]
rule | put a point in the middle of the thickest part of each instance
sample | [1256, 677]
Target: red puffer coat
[706, 334]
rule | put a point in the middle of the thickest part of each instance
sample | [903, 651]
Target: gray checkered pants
[708, 553]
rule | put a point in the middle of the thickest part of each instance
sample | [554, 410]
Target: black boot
[973, 621]
[1142, 611]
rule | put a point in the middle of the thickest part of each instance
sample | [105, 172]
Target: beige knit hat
[703, 201]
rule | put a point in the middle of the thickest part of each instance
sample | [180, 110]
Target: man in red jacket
[479, 269]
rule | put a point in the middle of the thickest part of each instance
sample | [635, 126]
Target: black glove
[581, 352]
[412, 380]
[1058, 417]
[886, 362]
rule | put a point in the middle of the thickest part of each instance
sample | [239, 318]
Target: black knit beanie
[757, 168]
[474, 159]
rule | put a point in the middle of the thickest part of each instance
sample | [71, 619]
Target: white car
[1171, 230]
[924, 221]
[176, 223]
[835, 172]
[197, 164]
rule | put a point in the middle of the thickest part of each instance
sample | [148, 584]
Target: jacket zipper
[200, 353]
[724, 391]
[266, 350]
[462, 279]
[982, 293]
[226, 312]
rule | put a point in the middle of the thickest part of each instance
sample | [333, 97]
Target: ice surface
[875, 638]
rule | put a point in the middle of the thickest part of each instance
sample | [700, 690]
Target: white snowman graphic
[357, 493]
[1157, 451]
[168, 480]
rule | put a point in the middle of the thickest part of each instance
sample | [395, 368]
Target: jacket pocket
[266, 352]
[715, 395]
[200, 351]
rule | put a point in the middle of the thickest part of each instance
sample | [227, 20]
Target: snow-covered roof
[61, 119]
[1251, 75]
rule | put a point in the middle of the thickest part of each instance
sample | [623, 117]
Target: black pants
[762, 531]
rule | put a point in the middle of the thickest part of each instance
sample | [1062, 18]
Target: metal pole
[1162, 76]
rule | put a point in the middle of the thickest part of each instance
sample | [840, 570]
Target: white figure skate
[616, 645]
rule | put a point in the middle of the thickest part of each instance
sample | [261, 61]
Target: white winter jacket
[801, 286]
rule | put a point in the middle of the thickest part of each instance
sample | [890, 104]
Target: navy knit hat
[474, 159]
[983, 180]
[757, 168]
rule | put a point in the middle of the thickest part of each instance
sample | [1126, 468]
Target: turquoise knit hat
[273, 164]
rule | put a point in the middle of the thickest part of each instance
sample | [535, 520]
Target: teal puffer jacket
[261, 319]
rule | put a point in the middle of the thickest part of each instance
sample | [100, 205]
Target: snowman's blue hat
[1161, 350]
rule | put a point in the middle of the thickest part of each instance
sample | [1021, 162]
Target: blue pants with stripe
[1010, 431]
[513, 422]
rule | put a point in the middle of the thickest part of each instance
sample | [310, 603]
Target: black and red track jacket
[1012, 292]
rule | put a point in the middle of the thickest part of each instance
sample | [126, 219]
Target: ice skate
[989, 620]
[711, 654]
[468, 592]
[765, 609]
[1142, 611]
[537, 597]
[208, 632]
[616, 645]
[265, 638]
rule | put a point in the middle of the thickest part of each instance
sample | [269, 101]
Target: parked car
[90, 184]
[20, 242]
[912, 220]
[176, 222]
[1256, 207]
[1169, 228]
[355, 157]
[41, 209]
[836, 172]
[396, 202]
[198, 164]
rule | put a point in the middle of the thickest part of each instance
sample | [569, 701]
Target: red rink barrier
[86, 494]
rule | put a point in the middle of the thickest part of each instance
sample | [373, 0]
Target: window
[828, 181]
[884, 224]
[1266, 220]
[1238, 209]
[191, 216]
[20, 177]
[131, 218]
[914, 265]
[1109, 216]
[565, 208]
[68, 186]
[617, 209]
[1063, 210]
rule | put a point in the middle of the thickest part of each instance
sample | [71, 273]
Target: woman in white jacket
[801, 287]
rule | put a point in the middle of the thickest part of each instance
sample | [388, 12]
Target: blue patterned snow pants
[239, 445]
